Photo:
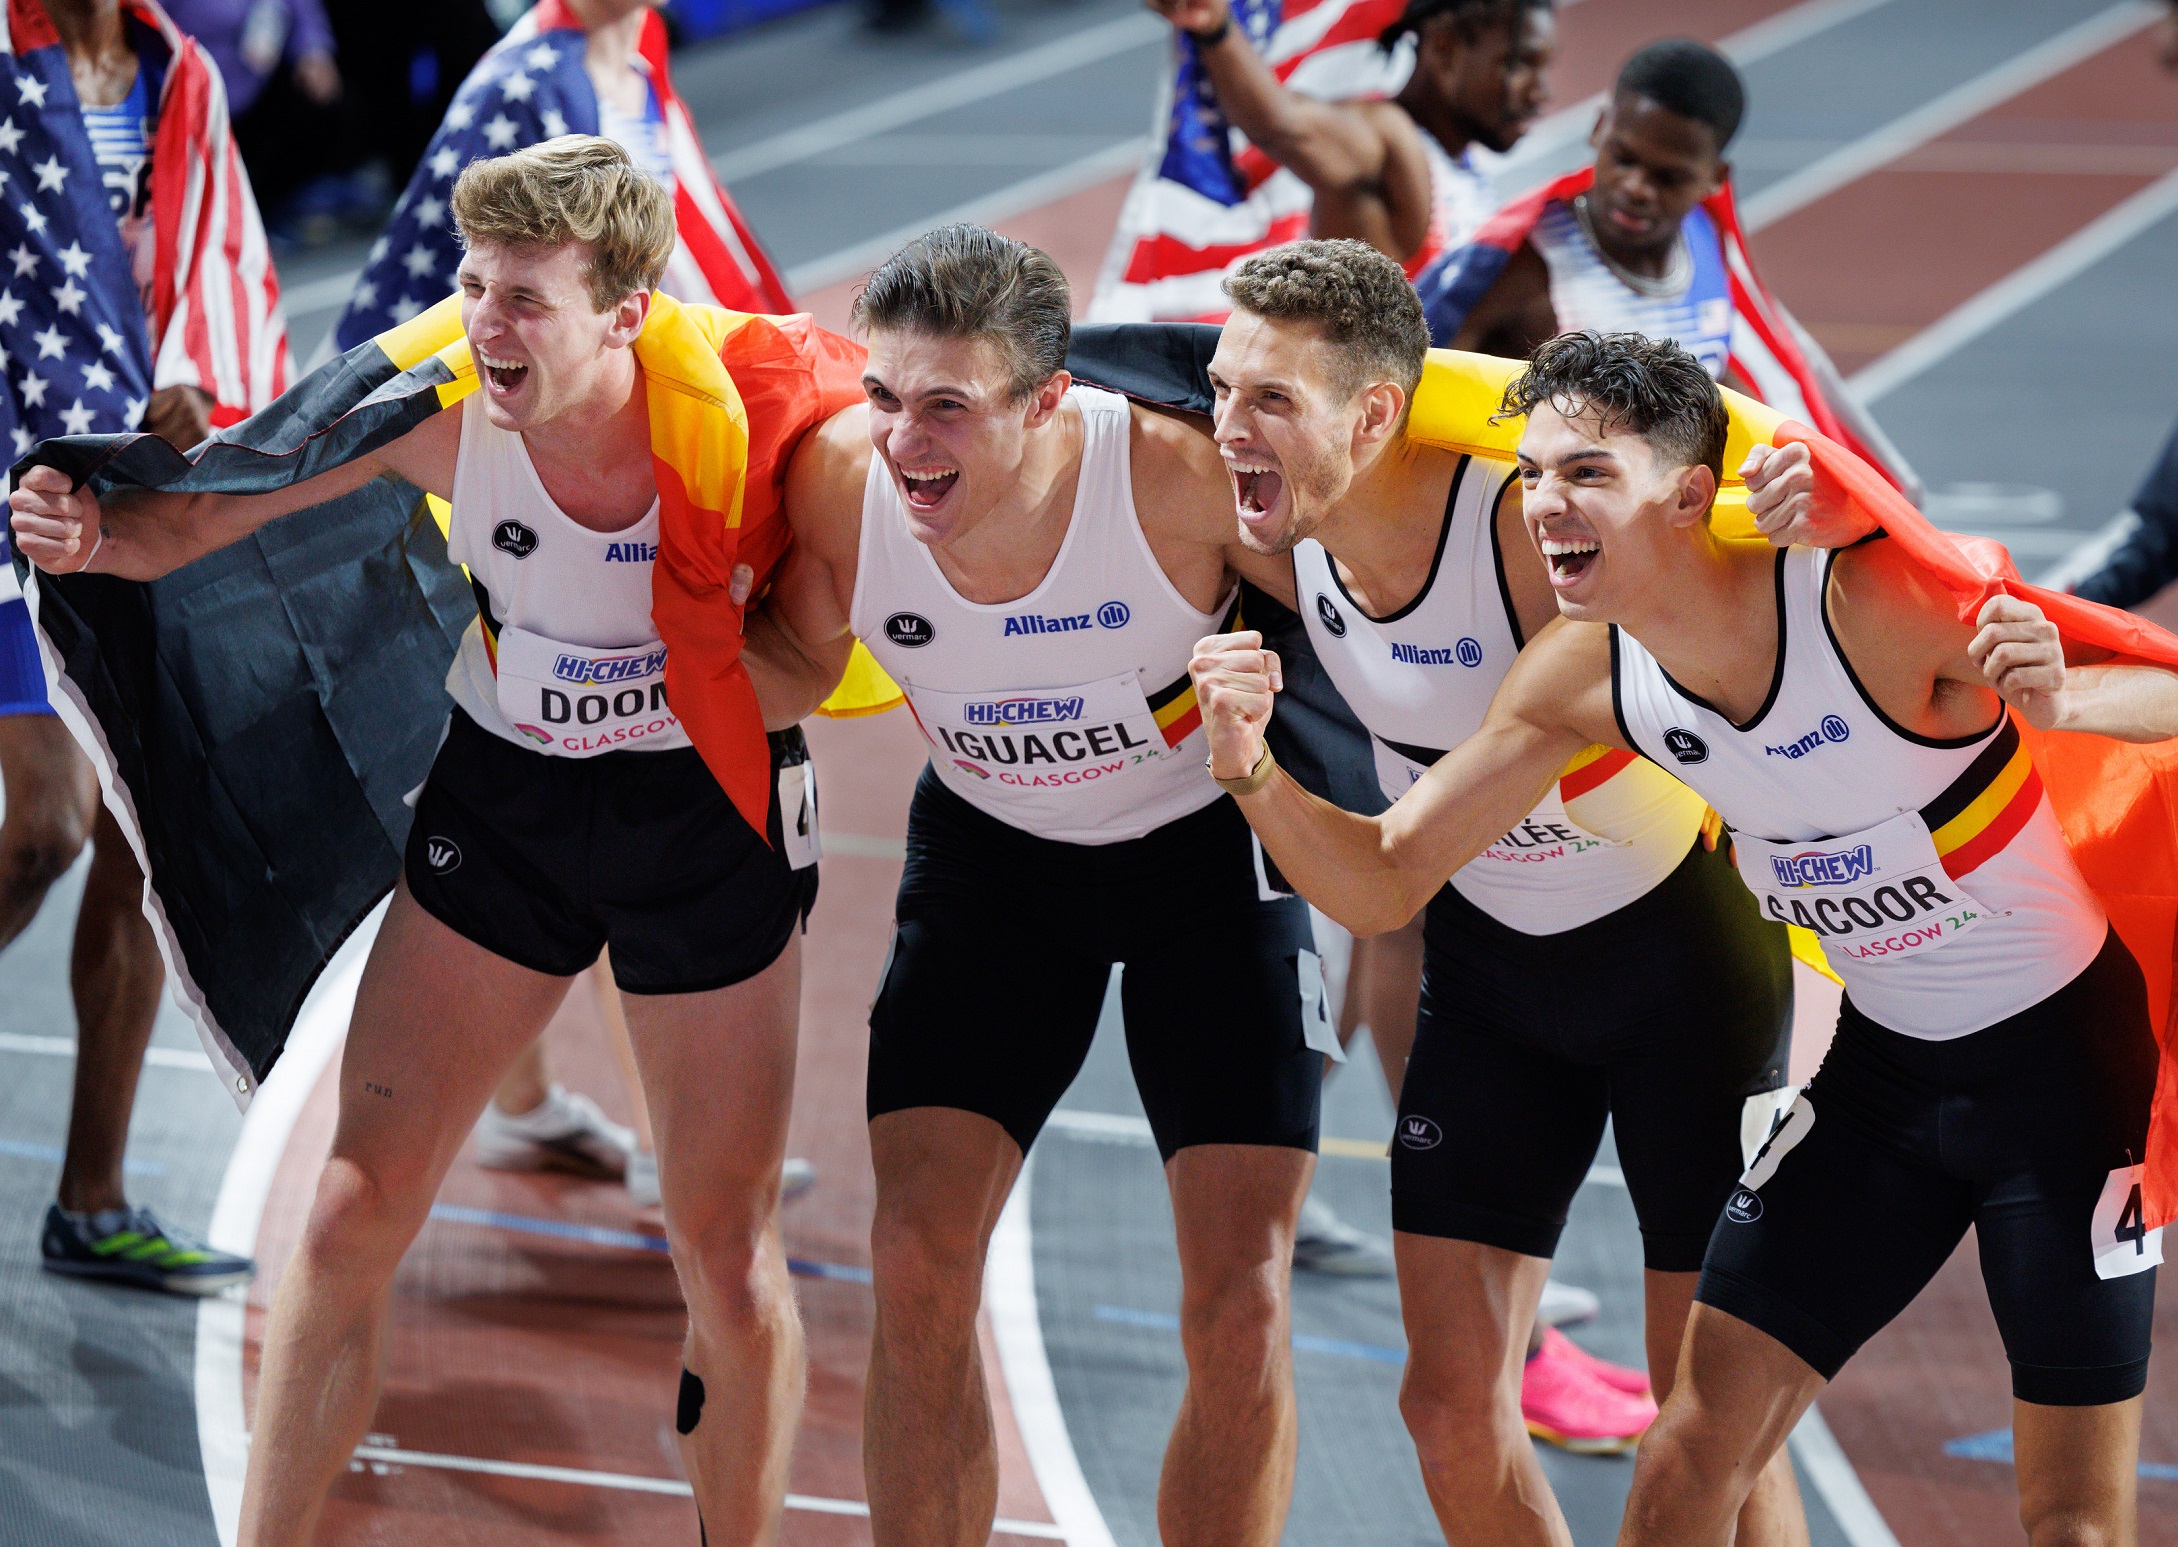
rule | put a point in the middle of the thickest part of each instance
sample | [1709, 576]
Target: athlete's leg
[1736, 1394]
[1468, 1310]
[2079, 1470]
[1388, 971]
[1228, 1473]
[942, 1177]
[527, 1083]
[52, 796]
[437, 1020]
[1773, 1515]
[718, 1069]
[116, 975]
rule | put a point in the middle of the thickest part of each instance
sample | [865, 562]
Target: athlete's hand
[1235, 681]
[1792, 503]
[1192, 15]
[2022, 657]
[55, 524]
[741, 584]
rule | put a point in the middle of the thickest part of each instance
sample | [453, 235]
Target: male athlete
[1395, 173]
[532, 848]
[1599, 959]
[1993, 1061]
[1032, 562]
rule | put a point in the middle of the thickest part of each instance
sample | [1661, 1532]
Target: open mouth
[1569, 557]
[927, 491]
[1256, 489]
[503, 376]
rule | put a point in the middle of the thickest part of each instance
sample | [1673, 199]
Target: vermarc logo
[1330, 615]
[515, 538]
[443, 855]
[1684, 745]
[1419, 1133]
[909, 630]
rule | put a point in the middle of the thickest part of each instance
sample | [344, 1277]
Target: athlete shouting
[1993, 1061]
[1032, 561]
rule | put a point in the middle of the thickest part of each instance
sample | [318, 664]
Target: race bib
[1545, 835]
[578, 701]
[1043, 739]
[1319, 1028]
[798, 815]
[2122, 1243]
[1878, 895]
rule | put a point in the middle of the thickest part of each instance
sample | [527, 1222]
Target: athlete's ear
[628, 318]
[1697, 492]
[1601, 126]
[1044, 402]
[1381, 406]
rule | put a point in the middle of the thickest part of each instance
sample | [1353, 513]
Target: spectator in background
[401, 61]
[125, 308]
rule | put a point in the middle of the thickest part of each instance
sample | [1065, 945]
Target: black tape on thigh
[691, 1404]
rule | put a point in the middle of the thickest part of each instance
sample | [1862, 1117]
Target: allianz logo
[584, 669]
[1832, 729]
[1821, 867]
[1110, 615]
[1024, 711]
[631, 553]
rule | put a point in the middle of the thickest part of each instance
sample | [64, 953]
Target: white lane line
[2092, 553]
[985, 81]
[1555, 131]
[987, 210]
[2018, 290]
[223, 1435]
[1009, 1294]
[1943, 113]
[630, 1482]
[65, 1047]
[1820, 1456]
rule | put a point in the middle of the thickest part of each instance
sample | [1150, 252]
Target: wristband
[1251, 781]
[85, 566]
[1215, 35]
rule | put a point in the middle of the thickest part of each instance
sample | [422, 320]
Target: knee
[362, 1220]
[1456, 1413]
[2071, 1526]
[928, 1269]
[1236, 1319]
[1674, 1476]
[39, 853]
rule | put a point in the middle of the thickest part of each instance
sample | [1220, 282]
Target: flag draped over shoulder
[86, 346]
[532, 86]
[1768, 351]
[1210, 199]
[2117, 803]
[257, 716]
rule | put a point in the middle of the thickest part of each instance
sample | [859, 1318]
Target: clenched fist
[55, 524]
[1791, 503]
[2022, 657]
[1235, 681]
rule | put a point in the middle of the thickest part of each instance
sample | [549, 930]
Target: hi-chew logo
[1024, 711]
[1824, 867]
[584, 670]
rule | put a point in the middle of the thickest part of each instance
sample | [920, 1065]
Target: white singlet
[1933, 871]
[1421, 680]
[1461, 198]
[1067, 713]
[563, 657]
[1691, 306]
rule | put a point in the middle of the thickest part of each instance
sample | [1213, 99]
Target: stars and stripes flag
[81, 347]
[1209, 199]
[532, 86]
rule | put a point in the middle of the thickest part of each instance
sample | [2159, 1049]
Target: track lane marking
[65, 1047]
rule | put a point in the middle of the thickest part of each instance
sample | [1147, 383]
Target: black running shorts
[2020, 1130]
[1005, 941]
[547, 860]
[1664, 1017]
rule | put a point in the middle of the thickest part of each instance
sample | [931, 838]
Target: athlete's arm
[1363, 160]
[1900, 631]
[2056, 688]
[797, 641]
[1373, 874]
[141, 534]
[1515, 314]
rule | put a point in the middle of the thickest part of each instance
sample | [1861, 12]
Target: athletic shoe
[1565, 1404]
[565, 1133]
[1619, 1377]
[1565, 1304]
[1325, 1243]
[796, 1177]
[130, 1246]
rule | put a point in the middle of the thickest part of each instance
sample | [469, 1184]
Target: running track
[1971, 204]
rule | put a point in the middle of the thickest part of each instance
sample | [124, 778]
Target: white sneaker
[1564, 1304]
[1325, 1243]
[566, 1132]
[797, 1176]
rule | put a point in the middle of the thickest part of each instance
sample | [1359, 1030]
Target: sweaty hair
[1360, 299]
[1632, 382]
[577, 188]
[1691, 79]
[1472, 18]
[968, 282]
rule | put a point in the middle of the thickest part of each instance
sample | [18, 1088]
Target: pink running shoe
[1565, 1404]
[1619, 1377]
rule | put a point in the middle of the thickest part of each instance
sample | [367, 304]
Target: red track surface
[517, 1347]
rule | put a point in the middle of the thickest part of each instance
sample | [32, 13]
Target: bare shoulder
[1878, 594]
[426, 455]
[825, 482]
[1181, 488]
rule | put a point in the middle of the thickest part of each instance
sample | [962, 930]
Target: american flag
[1209, 199]
[532, 86]
[81, 348]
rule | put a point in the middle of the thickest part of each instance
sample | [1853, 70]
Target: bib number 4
[2123, 1243]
